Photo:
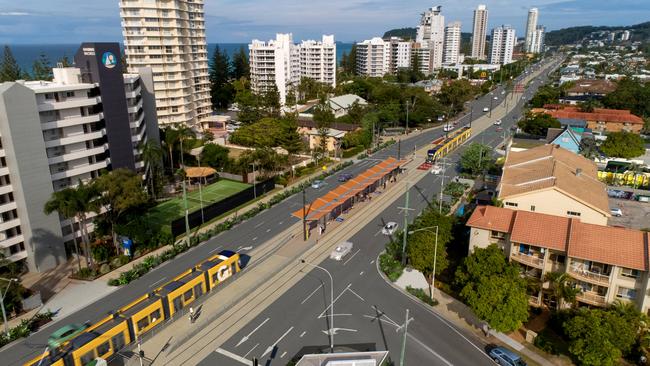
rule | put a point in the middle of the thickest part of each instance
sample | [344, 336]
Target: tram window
[143, 323]
[88, 357]
[118, 342]
[103, 348]
[155, 315]
[215, 278]
[187, 295]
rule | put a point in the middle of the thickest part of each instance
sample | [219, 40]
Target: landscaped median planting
[152, 262]
[25, 328]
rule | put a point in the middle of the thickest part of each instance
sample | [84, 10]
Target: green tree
[9, 69]
[215, 156]
[453, 95]
[546, 94]
[630, 94]
[65, 61]
[324, 117]
[622, 144]
[240, 66]
[221, 90]
[476, 159]
[588, 148]
[64, 203]
[538, 124]
[41, 69]
[249, 106]
[121, 191]
[152, 153]
[421, 245]
[170, 137]
[562, 289]
[271, 102]
[493, 288]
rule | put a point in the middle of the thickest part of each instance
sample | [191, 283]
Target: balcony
[71, 173]
[589, 276]
[81, 137]
[76, 155]
[70, 103]
[72, 121]
[592, 298]
[11, 241]
[531, 260]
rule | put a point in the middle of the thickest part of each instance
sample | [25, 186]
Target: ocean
[26, 54]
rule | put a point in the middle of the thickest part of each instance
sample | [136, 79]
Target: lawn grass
[168, 211]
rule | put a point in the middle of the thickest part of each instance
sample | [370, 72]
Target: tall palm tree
[184, 133]
[86, 200]
[562, 289]
[63, 202]
[152, 158]
[171, 136]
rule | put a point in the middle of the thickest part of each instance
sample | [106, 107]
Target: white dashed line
[255, 238]
[303, 334]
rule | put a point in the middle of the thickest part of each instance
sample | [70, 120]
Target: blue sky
[74, 21]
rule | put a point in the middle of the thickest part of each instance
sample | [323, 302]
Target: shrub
[547, 342]
[391, 267]
[422, 295]
[86, 273]
[104, 269]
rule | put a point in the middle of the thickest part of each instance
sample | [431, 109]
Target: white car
[341, 250]
[389, 228]
[486, 109]
[496, 98]
[497, 122]
[448, 128]
[436, 169]
[503, 92]
[616, 212]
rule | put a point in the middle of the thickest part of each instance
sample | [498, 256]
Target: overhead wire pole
[442, 184]
[405, 326]
[406, 210]
[304, 215]
[187, 210]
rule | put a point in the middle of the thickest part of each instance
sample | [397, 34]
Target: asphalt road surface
[257, 231]
[367, 310]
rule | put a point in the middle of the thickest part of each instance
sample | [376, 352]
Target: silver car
[341, 250]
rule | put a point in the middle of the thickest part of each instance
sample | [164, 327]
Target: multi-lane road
[367, 310]
[357, 285]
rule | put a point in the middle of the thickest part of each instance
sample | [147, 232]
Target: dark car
[345, 177]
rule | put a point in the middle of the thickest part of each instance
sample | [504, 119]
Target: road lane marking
[313, 292]
[335, 300]
[336, 330]
[281, 222]
[255, 238]
[429, 349]
[357, 295]
[157, 282]
[372, 261]
[349, 259]
[215, 249]
[245, 338]
[283, 354]
[247, 353]
[378, 232]
[260, 224]
[361, 274]
[271, 347]
[268, 230]
[233, 356]
[303, 334]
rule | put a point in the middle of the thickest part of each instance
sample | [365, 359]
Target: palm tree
[152, 158]
[86, 200]
[562, 289]
[63, 202]
[184, 133]
[171, 136]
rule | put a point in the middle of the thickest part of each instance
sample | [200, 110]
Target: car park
[317, 184]
[504, 357]
[341, 251]
[389, 228]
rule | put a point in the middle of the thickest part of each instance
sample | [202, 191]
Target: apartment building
[479, 32]
[605, 263]
[503, 45]
[552, 180]
[538, 39]
[373, 57]
[281, 64]
[169, 37]
[452, 44]
[423, 54]
[531, 27]
[400, 54]
[57, 133]
[431, 35]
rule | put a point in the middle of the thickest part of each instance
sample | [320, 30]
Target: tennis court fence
[196, 218]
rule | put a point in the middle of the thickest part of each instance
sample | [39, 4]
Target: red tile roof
[605, 244]
[599, 114]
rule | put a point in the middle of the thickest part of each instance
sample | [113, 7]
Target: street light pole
[331, 301]
[187, 210]
[2, 303]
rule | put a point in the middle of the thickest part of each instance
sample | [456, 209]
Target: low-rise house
[606, 263]
[601, 120]
[334, 138]
[555, 181]
[338, 105]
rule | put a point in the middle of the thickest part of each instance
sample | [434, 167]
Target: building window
[69, 94]
[512, 204]
[532, 208]
[573, 213]
[557, 258]
[631, 273]
[626, 293]
[497, 235]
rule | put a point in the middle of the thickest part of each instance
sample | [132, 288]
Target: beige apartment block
[552, 180]
[606, 263]
[169, 37]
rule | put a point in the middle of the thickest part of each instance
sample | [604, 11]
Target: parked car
[341, 250]
[436, 169]
[505, 357]
[617, 212]
[345, 177]
[497, 122]
[317, 184]
[486, 109]
[389, 228]
[448, 128]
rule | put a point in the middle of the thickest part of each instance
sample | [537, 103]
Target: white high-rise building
[531, 27]
[373, 57]
[169, 37]
[625, 35]
[400, 54]
[452, 43]
[479, 32]
[503, 45]
[431, 34]
[282, 64]
[423, 55]
[538, 40]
